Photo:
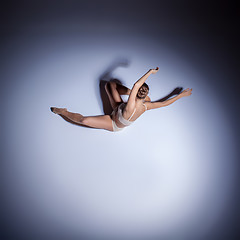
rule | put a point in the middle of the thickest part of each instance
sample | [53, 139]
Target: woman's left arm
[137, 85]
[153, 105]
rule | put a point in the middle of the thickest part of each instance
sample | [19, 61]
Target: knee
[113, 84]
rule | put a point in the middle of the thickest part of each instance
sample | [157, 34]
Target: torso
[140, 109]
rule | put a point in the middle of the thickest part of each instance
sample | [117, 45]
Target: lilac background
[174, 178]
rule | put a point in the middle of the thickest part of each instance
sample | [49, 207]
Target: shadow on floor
[176, 91]
[106, 77]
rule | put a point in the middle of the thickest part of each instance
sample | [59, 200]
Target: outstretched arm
[153, 105]
[142, 80]
[137, 85]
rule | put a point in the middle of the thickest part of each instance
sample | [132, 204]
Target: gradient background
[176, 178]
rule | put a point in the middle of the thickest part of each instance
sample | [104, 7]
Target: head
[143, 91]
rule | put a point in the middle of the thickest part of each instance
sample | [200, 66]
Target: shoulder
[148, 105]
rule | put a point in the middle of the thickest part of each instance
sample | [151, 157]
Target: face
[142, 92]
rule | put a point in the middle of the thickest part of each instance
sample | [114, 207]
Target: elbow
[136, 87]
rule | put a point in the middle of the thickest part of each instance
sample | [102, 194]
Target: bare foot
[58, 110]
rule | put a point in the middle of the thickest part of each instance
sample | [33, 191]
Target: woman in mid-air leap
[123, 113]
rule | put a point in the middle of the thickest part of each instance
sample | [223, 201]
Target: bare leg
[113, 95]
[122, 90]
[101, 122]
[114, 90]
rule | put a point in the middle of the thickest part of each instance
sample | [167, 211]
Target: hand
[186, 92]
[153, 71]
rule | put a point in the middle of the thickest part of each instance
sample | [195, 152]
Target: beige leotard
[125, 122]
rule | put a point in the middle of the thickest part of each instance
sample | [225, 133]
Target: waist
[119, 120]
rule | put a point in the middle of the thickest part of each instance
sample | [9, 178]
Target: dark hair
[143, 91]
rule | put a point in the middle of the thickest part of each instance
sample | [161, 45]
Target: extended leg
[101, 122]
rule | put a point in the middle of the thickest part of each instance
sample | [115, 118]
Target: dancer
[124, 113]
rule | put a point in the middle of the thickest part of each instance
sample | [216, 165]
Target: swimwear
[121, 119]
